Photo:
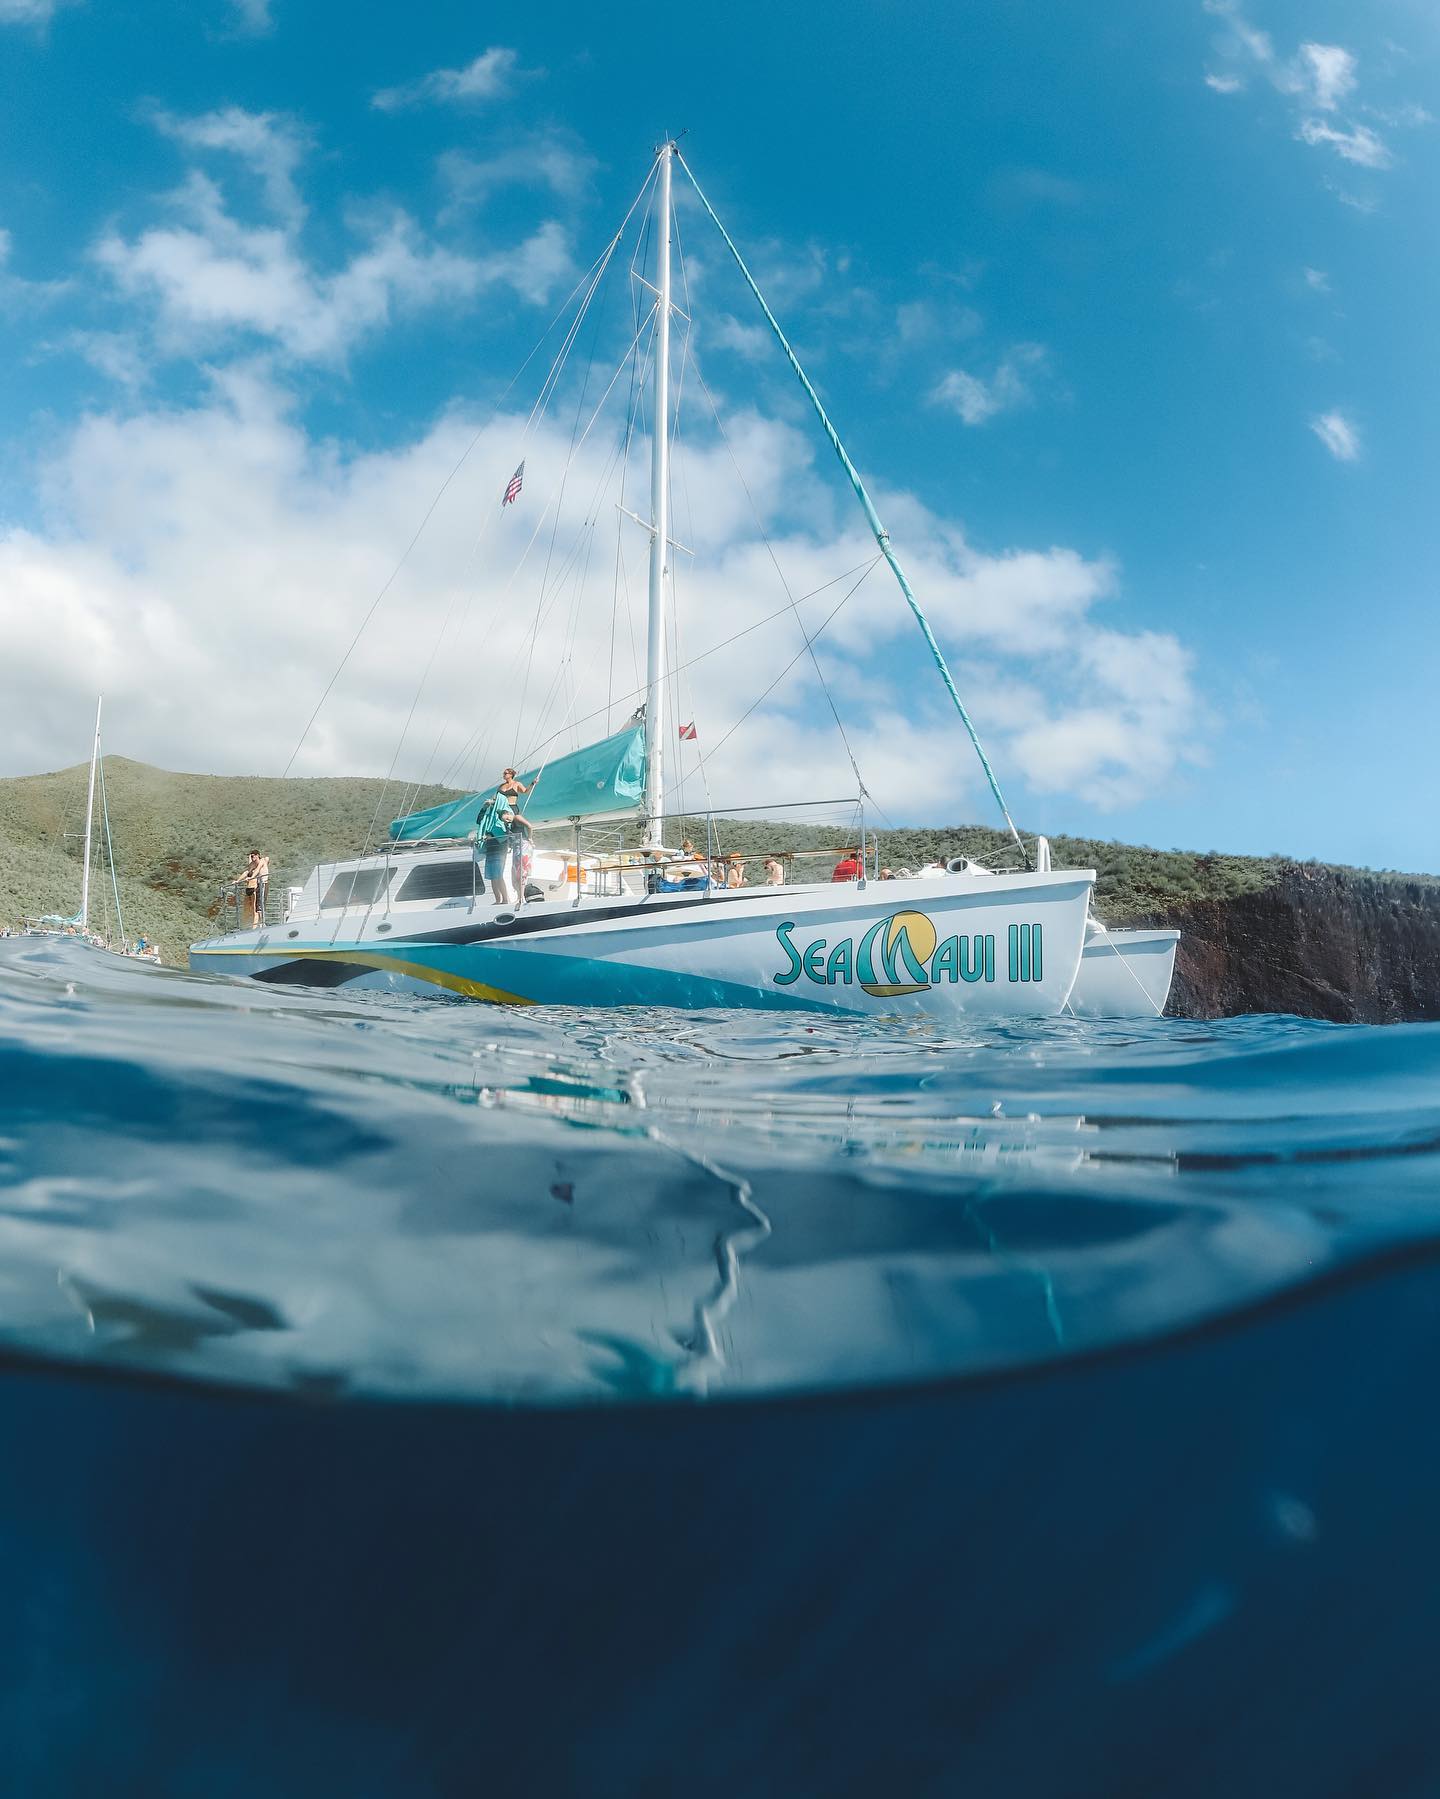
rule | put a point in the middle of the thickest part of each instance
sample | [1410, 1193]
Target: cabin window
[440, 881]
[355, 887]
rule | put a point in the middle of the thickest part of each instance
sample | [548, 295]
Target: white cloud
[486, 78]
[210, 279]
[1327, 74]
[269, 143]
[1317, 79]
[547, 161]
[1366, 203]
[1135, 716]
[1317, 280]
[1407, 117]
[1028, 187]
[1338, 435]
[117, 355]
[215, 278]
[181, 545]
[1359, 145]
[252, 17]
[977, 399]
[1244, 36]
[920, 322]
[15, 290]
[750, 341]
[27, 12]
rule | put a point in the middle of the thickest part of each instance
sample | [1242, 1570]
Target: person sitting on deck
[849, 867]
[735, 873]
[774, 872]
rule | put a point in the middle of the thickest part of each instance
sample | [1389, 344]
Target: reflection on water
[1075, 1434]
[427, 1198]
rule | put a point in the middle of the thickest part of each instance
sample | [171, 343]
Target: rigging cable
[724, 643]
[110, 848]
[882, 536]
[597, 268]
[537, 411]
[869, 568]
[555, 523]
[770, 550]
[540, 522]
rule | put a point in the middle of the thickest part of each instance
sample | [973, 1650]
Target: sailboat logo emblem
[905, 943]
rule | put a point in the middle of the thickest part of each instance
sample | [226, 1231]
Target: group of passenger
[503, 835]
[689, 870]
[503, 842]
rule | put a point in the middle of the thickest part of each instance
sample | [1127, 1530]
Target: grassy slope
[178, 836]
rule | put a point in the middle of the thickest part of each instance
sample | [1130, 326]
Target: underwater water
[408, 1397]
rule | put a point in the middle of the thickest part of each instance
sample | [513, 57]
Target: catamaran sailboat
[602, 928]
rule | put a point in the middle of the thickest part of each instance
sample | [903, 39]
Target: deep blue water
[409, 1398]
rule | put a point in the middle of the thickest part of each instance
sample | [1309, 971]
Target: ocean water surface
[409, 1397]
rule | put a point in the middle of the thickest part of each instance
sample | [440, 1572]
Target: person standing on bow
[252, 882]
[512, 790]
[492, 843]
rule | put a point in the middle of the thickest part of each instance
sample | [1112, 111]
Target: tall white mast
[659, 528]
[89, 822]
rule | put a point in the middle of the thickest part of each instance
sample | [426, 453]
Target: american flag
[517, 481]
[688, 733]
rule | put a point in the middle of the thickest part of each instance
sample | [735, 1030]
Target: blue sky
[1126, 311]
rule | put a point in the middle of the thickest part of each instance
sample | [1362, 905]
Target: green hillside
[178, 837]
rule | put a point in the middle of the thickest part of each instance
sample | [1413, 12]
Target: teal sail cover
[600, 781]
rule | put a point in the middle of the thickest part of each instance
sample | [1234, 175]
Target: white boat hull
[1124, 974]
[1001, 946]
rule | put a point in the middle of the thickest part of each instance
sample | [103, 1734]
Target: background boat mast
[90, 821]
[659, 524]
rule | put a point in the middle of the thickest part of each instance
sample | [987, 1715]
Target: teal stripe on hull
[549, 980]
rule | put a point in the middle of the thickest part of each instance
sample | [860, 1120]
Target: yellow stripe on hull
[435, 977]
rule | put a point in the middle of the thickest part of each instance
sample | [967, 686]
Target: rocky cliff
[1319, 942]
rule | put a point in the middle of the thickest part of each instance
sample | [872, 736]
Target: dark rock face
[1319, 942]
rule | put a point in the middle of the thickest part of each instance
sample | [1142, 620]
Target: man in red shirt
[849, 867]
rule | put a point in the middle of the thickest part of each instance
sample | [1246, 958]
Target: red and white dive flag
[517, 481]
[688, 733]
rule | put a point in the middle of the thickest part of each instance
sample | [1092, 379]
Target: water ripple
[422, 1198]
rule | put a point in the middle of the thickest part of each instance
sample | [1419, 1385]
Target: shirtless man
[254, 882]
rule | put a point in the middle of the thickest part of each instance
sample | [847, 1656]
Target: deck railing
[234, 907]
